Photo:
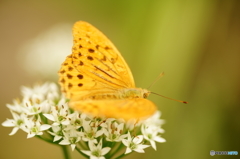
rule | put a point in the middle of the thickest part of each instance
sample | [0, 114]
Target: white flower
[36, 93]
[34, 127]
[150, 133]
[91, 132]
[96, 152]
[151, 128]
[71, 138]
[17, 122]
[32, 108]
[59, 114]
[113, 131]
[57, 133]
[76, 119]
[16, 106]
[134, 144]
[39, 93]
[155, 120]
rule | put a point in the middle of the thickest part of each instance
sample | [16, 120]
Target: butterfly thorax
[133, 93]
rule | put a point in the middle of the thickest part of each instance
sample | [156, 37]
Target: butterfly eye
[145, 95]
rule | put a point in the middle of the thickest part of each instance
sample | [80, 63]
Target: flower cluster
[43, 112]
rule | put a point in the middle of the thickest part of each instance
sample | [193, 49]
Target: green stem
[120, 146]
[76, 148]
[47, 140]
[65, 152]
[122, 155]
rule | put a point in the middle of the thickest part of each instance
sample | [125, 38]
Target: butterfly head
[145, 93]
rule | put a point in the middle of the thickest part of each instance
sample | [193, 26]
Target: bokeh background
[196, 43]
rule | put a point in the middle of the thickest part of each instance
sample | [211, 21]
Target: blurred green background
[196, 43]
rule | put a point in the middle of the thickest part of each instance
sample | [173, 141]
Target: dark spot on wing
[62, 72]
[80, 76]
[90, 58]
[70, 68]
[91, 50]
[69, 76]
[70, 85]
[80, 63]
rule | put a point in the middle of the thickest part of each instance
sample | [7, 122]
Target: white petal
[49, 116]
[39, 133]
[99, 146]
[55, 124]
[14, 130]
[138, 139]
[91, 145]
[64, 142]
[121, 137]
[141, 147]
[56, 138]
[30, 135]
[8, 123]
[73, 146]
[86, 152]
[153, 144]
[66, 122]
[99, 133]
[44, 127]
[128, 150]
[159, 139]
[125, 142]
[139, 150]
[105, 150]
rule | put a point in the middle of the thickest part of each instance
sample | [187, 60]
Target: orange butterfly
[98, 81]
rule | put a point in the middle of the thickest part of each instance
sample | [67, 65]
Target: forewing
[94, 55]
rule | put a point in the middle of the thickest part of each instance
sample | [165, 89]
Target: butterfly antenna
[185, 102]
[161, 74]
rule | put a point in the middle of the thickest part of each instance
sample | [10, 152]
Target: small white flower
[53, 92]
[113, 131]
[39, 93]
[34, 127]
[91, 132]
[150, 133]
[71, 138]
[155, 120]
[57, 133]
[59, 114]
[32, 108]
[134, 144]
[96, 152]
[36, 93]
[76, 119]
[16, 106]
[17, 122]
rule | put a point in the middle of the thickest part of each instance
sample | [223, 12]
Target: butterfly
[97, 80]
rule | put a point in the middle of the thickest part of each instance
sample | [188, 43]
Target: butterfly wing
[76, 85]
[137, 108]
[95, 65]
